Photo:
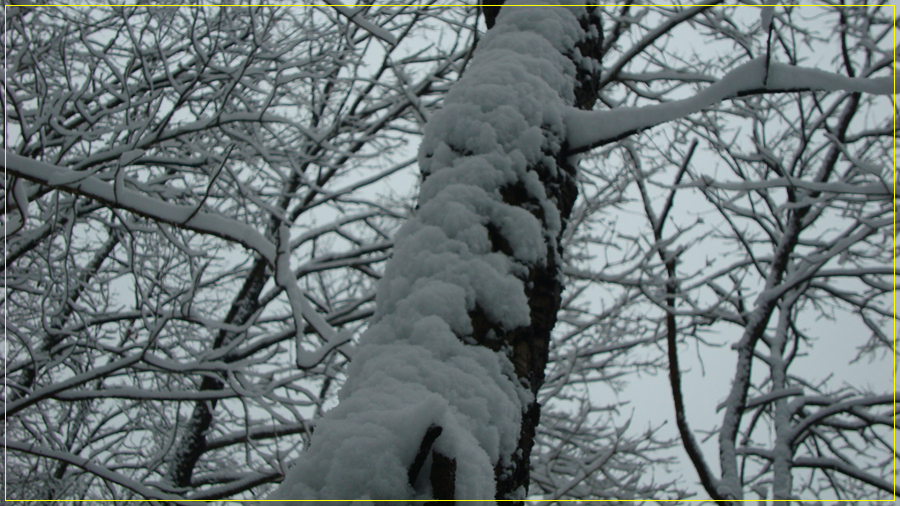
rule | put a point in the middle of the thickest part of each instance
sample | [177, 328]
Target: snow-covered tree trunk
[440, 396]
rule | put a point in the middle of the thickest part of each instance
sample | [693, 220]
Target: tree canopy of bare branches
[764, 225]
[172, 161]
[200, 203]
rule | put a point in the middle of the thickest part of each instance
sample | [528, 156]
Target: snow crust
[416, 365]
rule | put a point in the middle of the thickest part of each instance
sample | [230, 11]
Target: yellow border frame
[894, 263]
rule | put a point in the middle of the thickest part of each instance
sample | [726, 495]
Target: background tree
[759, 218]
[151, 357]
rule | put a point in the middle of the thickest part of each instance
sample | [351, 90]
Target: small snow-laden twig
[302, 309]
[835, 187]
[184, 248]
[353, 258]
[219, 120]
[653, 36]
[767, 398]
[333, 226]
[845, 469]
[356, 17]
[258, 431]
[212, 180]
[95, 469]
[835, 408]
[56, 389]
[585, 472]
[335, 195]
[417, 109]
[232, 488]
[253, 197]
[20, 197]
[862, 165]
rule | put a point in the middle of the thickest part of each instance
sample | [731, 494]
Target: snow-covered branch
[846, 469]
[302, 309]
[94, 468]
[590, 129]
[358, 18]
[835, 408]
[119, 197]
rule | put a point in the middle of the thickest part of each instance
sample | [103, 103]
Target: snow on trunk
[439, 400]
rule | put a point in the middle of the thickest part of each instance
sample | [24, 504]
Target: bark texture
[528, 347]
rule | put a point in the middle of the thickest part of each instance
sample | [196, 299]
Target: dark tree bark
[530, 345]
[490, 9]
[192, 444]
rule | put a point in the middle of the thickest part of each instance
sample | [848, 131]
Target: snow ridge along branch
[119, 197]
[591, 129]
[439, 400]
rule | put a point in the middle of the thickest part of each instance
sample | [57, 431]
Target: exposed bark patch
[485, 332]
[490, 11]
[517, 195]
[517, 472]
[428, 440]
[528, 347]
[498, 241]
[443, 478]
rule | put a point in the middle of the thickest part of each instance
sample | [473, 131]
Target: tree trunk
[528, 346]
[446, 376]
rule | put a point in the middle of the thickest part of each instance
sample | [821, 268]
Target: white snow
[593, 128]
[415, 365]
[123, 198]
